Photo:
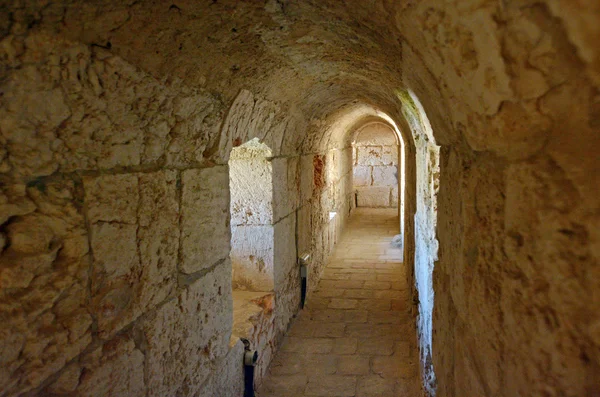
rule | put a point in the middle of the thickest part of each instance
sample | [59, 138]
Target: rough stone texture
[124, 89]
[254, 321]
[251, 208]
[287, 275]
[251, 184]
[369, 196]
[427, 159]
[227, 374]
[252, 258]
[96, 375]
[375, 172]
[186, 334]
[134, 244]
[204, 212]
[43, 282]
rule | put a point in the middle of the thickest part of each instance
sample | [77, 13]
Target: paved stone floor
[355, 336]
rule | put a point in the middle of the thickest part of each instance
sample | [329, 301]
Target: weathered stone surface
[250, 117]
[371, 196]
[251, 184]
[87, 108]
[286, 186]
[306, 178]
[252, 257]
[376, 134]
[98, 374]
[369, 155]
[187, 333]
[204, 212]
[287, 277]
[112, 198]
[134, 244]
[394, 200]
[228, 377]
[119, 89]
[385, 176]
[362, 175]
[43, 282]
[376, 165]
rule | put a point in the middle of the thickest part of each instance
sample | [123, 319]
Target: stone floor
[355, 336]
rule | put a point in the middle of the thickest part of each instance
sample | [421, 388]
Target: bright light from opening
[332, 215]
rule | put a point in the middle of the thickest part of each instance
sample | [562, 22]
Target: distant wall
[251, 189]
[375, 160]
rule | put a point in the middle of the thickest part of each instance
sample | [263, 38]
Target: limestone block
[332, 171]
[284, 248]
[346, 161]
[158, 234]
[306, 178]
[134, 264]
[115, 369]
[287, 277]
[389, 155]
[373, 196]
[394, 200]
[515, 132]
[376, 134]
[252, 257]
[115, 248]
[362, 175]
[285, 186]
[304, 229]
[369, 155]
[293, 183]
[385, 176]
[112, 198]
[43, 282]
[251, 185]
[205, 218]
[188, 132]
[189, 333]
[228, 374]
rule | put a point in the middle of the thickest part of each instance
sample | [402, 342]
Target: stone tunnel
[179, 184]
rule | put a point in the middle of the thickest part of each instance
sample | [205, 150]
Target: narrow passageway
[355, 336]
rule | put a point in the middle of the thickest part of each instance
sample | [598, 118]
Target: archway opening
[251, 187]
[252, 252]
[376, 176]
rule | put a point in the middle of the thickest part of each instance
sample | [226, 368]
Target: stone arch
[376, 161]
[420, 166]
[427, 161]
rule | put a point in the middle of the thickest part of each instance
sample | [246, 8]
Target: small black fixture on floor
[250, 359]
[303, 260]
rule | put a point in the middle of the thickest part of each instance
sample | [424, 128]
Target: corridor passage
[355, 336]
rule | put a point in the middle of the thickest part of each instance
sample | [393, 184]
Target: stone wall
[306, 190]
[513, 245]
[251, 188]
[376, 174]
[106, 265]
[116, 123]
[115, 226]
[427, 161]
[327, 200]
